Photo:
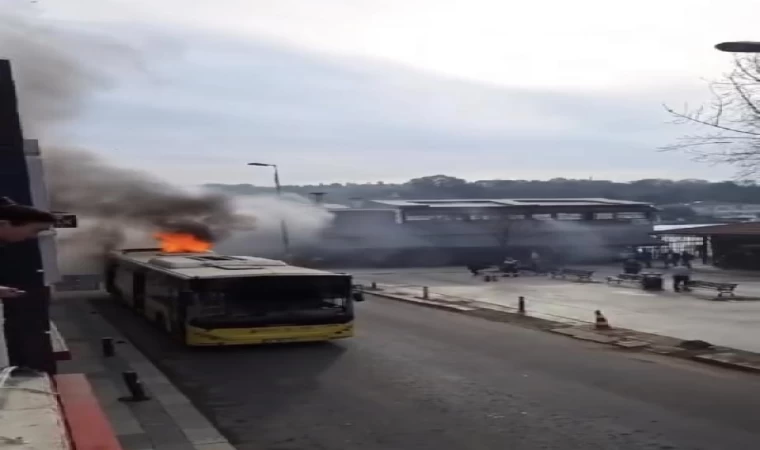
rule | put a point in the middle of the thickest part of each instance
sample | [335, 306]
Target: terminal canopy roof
[729, 229]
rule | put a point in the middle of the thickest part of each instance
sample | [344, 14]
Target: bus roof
[213, 265]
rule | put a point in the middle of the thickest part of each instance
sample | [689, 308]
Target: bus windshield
[273, 300]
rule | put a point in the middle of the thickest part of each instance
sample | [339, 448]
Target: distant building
[457, 231]
[331, 206]
[732, 245]
[721, 210]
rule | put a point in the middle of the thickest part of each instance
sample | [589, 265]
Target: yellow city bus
[207, 299]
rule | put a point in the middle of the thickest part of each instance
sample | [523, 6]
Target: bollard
[521, 305]
[107, 346]
[373, 285]
[135, 388]
[425, 293]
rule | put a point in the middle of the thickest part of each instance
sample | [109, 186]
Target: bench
[491, 274]
[579, 274]
[721, 288]
[503, 270]
[625, 277]
[648, 281]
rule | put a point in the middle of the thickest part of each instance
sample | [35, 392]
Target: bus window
[276, 299]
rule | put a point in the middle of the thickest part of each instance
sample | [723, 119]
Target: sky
[369, 90]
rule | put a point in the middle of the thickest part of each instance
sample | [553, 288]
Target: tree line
[656, 191]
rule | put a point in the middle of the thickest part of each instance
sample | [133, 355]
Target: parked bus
[207, 299]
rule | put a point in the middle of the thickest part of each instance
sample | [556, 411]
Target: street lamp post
[283, 224]
[739, 47]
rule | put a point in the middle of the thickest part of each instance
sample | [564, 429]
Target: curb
[419, 301]
[86, 422]
[712, 360]
[61, 350]
[474, 309]
[721, 357]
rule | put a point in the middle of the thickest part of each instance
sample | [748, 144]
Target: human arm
[9, 292]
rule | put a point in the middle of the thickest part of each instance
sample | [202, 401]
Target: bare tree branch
[715, 122]
[731, 120]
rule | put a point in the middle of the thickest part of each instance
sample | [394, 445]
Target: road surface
[423, 379]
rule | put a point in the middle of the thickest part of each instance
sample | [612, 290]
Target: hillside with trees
[657, 191]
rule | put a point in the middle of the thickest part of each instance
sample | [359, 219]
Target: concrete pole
[284, 232]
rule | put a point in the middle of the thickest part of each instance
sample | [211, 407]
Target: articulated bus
[207, 299]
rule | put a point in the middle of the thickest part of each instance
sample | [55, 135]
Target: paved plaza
[693, 315]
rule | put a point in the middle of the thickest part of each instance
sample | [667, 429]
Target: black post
[521, 305]
[108, 348]
[27, 320]
[135, 388]
[705, 247]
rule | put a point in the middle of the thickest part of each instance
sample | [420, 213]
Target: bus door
[138, 292]
[111, 279]
[183, 301]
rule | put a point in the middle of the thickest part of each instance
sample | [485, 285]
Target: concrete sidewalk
[168, 421]
[683, 315]
[30, 414]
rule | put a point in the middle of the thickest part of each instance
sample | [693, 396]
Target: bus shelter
[733, 245]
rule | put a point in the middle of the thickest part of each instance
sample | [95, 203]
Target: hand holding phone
[9, 292]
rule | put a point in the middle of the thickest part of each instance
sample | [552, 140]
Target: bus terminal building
[459, 231]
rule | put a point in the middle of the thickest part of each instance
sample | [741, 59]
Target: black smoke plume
[85, 184]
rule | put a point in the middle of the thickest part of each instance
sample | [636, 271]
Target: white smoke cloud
[303, 219]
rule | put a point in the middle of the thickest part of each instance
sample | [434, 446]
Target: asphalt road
[423, 379]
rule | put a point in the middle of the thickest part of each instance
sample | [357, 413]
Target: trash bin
[651, 282]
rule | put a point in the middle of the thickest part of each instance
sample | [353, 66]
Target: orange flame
[181, 243]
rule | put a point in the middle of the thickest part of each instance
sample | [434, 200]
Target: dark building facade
[27, 323]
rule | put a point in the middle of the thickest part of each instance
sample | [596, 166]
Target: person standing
[675, 258]
[646, 258]
[475, 268]
[686, 258]
[681, 277]
[631, 266]
[535, 261]
[665, 257]
[509, 267]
